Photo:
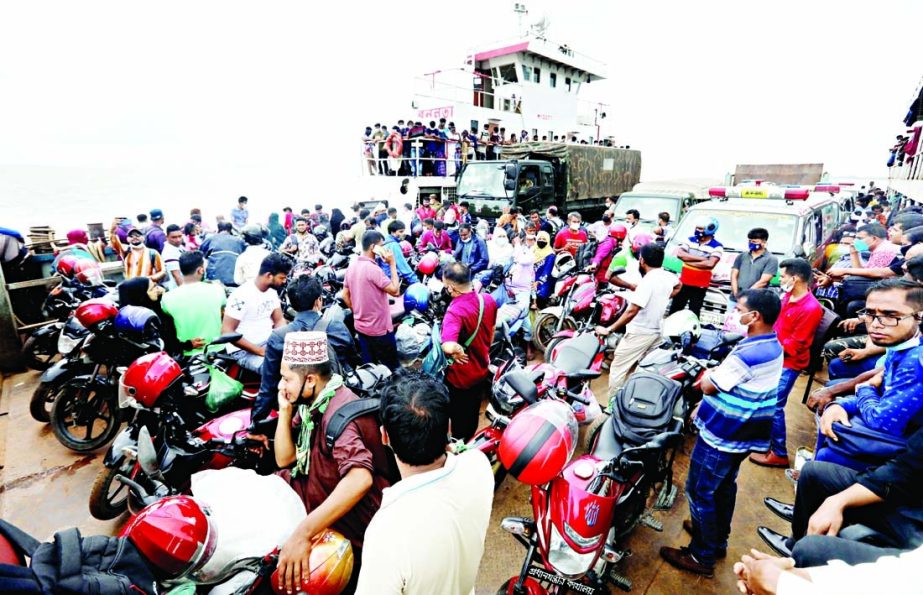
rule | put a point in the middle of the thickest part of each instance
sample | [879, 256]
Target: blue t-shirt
[739, 417]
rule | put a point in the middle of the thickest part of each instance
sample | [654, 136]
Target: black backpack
[643, 407]
[73, 565]
[585, 253]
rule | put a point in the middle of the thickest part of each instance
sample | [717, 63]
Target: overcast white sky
[697, 86]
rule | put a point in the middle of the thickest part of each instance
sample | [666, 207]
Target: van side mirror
[510, 171]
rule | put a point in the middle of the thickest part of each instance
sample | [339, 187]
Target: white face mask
[787, 288]
[575, 226]
[735, 319]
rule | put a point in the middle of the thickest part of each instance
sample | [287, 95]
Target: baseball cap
[156, 214]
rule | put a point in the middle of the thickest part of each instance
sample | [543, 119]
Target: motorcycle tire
[543, 331]
[38, 356]
[592, 432]
[109, 497]
[81, 406]
[42, 401]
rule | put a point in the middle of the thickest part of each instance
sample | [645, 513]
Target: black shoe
[778, 542]
[782, 510]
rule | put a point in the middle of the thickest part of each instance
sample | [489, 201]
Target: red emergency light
[826, 188]
[717, 192]
[797, 194]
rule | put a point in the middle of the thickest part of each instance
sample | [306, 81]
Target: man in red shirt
[467, 332]
[571, 237]
[341, 487]
[801, 314]
[366, 291]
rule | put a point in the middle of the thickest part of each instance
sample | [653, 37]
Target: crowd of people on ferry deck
[868, 455]
[418, 148]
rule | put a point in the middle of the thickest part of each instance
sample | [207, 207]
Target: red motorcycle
[565, 378]
[584, 510]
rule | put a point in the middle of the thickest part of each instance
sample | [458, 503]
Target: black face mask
[904, 250]
[302, 400]
[542, 244]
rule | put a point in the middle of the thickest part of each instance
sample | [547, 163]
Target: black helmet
[252, 234]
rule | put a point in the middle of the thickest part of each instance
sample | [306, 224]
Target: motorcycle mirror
[147, 453]
[228, 338]
[617, 271]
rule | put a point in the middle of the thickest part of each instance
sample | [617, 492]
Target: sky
[273, 96]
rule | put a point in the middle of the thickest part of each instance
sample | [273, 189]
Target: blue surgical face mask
[754, 246]
[861, 246]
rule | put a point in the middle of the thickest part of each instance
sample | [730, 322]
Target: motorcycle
[85, 413]
[582, 305]
[72, 363]
[583, 514]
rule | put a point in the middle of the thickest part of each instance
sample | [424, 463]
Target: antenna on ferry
[521, 11]
[540, 27]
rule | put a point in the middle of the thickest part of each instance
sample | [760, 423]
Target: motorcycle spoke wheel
[84, 418]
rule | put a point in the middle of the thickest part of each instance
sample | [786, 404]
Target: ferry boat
[529, 87]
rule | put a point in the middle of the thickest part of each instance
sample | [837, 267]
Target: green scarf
[303, 444]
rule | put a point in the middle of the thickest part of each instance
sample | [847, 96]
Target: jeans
[247, 360]
[903, 525]
[694, 297]
[379, 350]
[818, 550]
[711, 488]
[847, 370]
[777, 438]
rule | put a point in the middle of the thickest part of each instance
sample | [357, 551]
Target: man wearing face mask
[140, 261]
[396, 231]
[753, 269]
[341, 487]
[544, 265]
[894, 268]
[700, 255]
[801, 314]
[572, 237]
[471, 250]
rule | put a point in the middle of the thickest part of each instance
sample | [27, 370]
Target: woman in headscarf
[499, 250]
[141, 291]
[77, 236]
[191, 232]
[277, 233]
[336, 220]
[544, 264]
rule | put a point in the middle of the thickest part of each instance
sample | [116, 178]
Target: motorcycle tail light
[564, 559]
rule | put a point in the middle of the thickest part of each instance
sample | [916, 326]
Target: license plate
[711, 317]
[545, 576]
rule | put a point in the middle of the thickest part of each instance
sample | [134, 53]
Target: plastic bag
[222, 390]
[435, 361]
[412, 340]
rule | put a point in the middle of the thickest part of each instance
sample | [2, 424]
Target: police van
[799, 220]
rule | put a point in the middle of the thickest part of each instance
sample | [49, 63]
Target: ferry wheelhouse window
[553, 80]
[536, 74]
[526, 73]
[508, 74]
[567, 83]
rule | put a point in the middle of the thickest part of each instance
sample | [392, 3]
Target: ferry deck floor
[44, 487]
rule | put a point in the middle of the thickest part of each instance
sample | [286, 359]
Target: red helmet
[539, 441]
[64, 265]
[9, 554]
[174, 534]
[406, 248]
[148, 377]
[639, 241]
[618, 231]
[330, 565]
[88, 272]
[92, 312]
[428, 263]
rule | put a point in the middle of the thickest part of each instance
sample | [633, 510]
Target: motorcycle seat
[607, 447]
[584, 374]
[577, 353]
[523, 383]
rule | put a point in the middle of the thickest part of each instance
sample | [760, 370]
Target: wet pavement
[44, 487]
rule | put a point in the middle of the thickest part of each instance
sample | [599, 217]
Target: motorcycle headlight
[564, 559]
[66, 343]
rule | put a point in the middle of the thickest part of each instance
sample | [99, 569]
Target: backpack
[585, 253]
[435, 361]
[643, 407]
[73, 565]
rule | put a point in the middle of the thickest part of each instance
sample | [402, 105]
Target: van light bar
[759, 192]
[826, 188]
[717, 192]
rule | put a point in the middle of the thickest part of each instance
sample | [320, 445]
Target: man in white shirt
[254, 310]
[896, 575]
[248, 264]
[172, 250]
[428, 535]
[644, 315]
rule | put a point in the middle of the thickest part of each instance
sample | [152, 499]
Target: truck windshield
[482, 180]
[648, 206]
[734, 225]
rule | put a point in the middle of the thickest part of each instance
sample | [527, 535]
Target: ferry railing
[454, 155]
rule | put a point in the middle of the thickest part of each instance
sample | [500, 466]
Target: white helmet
[684, 321]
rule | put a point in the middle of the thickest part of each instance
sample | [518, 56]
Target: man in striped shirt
[734, 419]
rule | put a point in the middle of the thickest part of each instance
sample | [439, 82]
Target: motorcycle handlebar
[578, 397]
[139, 491]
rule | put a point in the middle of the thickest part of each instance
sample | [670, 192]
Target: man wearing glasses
[894, 396]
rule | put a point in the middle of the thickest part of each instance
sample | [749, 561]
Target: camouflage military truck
[537, 175]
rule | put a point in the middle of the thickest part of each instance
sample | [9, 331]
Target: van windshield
[733, 227]
[648, 206]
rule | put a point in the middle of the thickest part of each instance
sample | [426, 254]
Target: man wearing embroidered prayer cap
[340, 486]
